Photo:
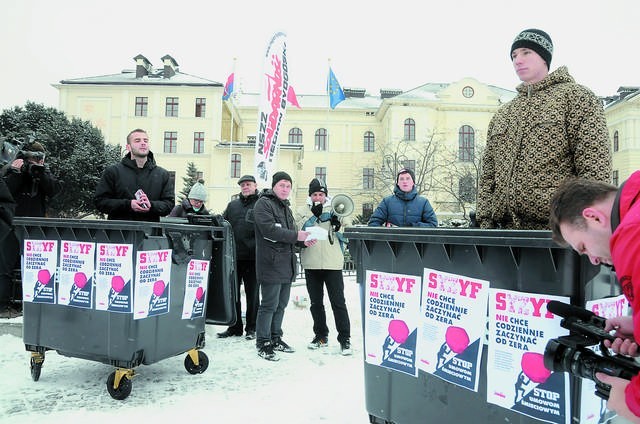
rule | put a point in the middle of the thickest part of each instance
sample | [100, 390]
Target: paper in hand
[316, 233]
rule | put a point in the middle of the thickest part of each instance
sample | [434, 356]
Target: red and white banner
[273, 102]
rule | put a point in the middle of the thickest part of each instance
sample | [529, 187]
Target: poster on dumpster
[392, 306]
[453, 319]
[114, 275]
[195, 289]
[593, 409]
[75, 278]
[39, 265]
[519, 328]
[153, 274]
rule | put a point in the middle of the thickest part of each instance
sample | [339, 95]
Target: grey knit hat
[198, 192]
[536, 40]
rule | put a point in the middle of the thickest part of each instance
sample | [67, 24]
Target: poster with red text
[392, 306]
[195, 289]
[75, 279]
[39, 265]
[153, 275]
[114, 277]
[453, 318]
[593, 409]
[519, 328]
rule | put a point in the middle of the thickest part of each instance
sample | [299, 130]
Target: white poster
[114, 275]
[75, 279]
[153, 274]
[453, 318]
[392, 306]
[195, 289]
[519, 328]
[39, 265]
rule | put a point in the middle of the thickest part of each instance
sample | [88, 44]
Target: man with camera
[603, 222]
[322, 265]
[30, 181]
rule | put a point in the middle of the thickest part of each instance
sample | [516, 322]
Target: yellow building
[437, 129]
[623, 120]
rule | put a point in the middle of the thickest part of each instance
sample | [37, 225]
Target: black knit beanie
[317, 185]
[536, 40]
[280, 175]
[406, 171]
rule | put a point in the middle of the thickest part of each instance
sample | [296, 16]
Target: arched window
[409, 129]
[616, 141]
[295, 136]
[466, 144]
[369, 142]
[320, 139]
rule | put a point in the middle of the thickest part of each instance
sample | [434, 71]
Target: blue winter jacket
[404, 210]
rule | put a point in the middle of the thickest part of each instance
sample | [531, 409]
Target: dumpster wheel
[196, 362]
[119, 383]
[37, 359]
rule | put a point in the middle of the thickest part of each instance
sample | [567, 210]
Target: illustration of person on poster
[519, 328]
[453, 316]
[593, 409]
[392, 307]
[114, 273]
[195, 289]
[76, 273]
[38, 271]
[153, 274]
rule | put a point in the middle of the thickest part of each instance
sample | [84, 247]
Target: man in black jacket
[136, 189]
[276, 237]
[8, 247]
[239, 213]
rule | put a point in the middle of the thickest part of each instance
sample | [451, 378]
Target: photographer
[30, 182]
[603, 222]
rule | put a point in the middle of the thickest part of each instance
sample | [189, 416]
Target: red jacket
[625, 253]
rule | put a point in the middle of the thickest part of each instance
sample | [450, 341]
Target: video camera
[572, 354]
[20, 149]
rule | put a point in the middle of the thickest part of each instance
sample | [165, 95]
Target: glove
[335, 221]
[316, 209]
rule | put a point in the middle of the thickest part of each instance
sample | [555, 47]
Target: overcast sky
[398, 44]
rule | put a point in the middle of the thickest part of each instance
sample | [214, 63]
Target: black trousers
[9, 260]
[246, 273]
[316, 280]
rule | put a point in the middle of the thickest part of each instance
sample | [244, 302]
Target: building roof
[128, 77]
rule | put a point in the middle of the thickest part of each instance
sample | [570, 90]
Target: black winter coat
[239, 213]
[119, 183]
[32, 195]
[276, 237]
[185, 208]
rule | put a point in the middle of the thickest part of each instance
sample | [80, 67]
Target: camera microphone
[565, 310]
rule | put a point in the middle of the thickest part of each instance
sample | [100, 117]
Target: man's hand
[310, 243]
[139, 206]
[316, 209]
[624, 342]
[335, 222]
[17, 164]
[617, 400]
[302, 235]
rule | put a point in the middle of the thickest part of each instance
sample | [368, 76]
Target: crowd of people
[547, 165]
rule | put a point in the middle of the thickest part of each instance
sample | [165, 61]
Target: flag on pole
[228, 88]
[336, 95]
[292, 98]
[272, 106]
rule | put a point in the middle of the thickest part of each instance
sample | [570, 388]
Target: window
[198, 142]
[467, 189]
[467, 92]
[616, 141]
[236, 164]
[466, 141]
[409, 129]
[321, 139]
[199, 175]
[367, 178]
[295, 136]
[170, 141]
[614, 178]
[171, 107]
[367, 211]
[321, 173]
[141, 106]
[201, 107]
[409, 164]
[369, 142]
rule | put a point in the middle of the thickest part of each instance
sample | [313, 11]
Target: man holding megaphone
[323, 263]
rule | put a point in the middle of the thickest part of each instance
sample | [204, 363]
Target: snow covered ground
[303, 387]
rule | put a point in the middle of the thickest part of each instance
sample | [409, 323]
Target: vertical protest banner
[195, 289]
[153, 275]
[114, 275]
[272, 107]
[519, 328]
[392, 306]
[39, 266]
[75, 279]
[453, 316]
[593, 409]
